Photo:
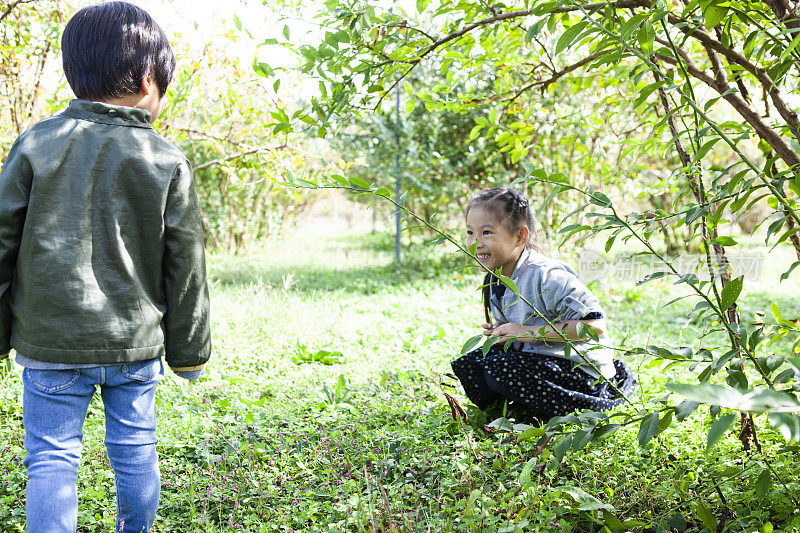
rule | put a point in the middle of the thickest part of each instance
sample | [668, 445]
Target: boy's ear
[148, 85]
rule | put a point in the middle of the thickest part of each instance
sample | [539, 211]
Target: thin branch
[624, 4]
[11, 7]
[407, 27]
[543, 84]
[31, 104]
[566, 70]
[238, 156]
[209, 136]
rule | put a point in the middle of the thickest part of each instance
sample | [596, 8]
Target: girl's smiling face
[497, 247]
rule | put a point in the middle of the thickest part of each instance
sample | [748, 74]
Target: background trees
[222, 114]
[647, 122]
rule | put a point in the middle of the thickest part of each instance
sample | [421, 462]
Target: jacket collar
[521, 260]
[108, 114]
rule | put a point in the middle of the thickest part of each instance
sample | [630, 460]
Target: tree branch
[623, 4]
[543, 84]
[754, 119]
[732, 56]
[11, 7]
[238, 156]
[209, 136]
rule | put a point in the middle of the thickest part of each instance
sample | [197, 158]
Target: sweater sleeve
[187, 328]
[567, 296]
[15, 186]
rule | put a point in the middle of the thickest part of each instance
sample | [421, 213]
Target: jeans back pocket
[52, 380]
[143, 370]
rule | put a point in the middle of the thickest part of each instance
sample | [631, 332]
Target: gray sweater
[558, 295]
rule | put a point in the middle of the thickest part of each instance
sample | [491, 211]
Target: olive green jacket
[101, 243]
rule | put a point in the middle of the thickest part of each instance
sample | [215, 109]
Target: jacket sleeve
[15, 186]
[565, 295]
[186, 322]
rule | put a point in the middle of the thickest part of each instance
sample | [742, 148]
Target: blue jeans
[55, 403]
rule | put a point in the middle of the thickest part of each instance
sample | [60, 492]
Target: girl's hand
[509, 331]
[488, 328]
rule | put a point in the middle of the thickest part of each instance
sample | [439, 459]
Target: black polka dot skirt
[547, 386]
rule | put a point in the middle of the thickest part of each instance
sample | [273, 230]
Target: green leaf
[585, 501]
[237, 22]
[703, 150]
[763, 483]
[612, 522]
[708, 393]
[713, 13]
[647, 91]
[731, 292]
[718, 429]
[470, 344]
[487, 345]
[665, 421]
[286, 31]
[532, 32]
[359, 183]
[724, 240]
[787, 424]
[508, 282]
[776, 312]
[600, 199]
[569, 35]
[789, 48]
[756, 401]
[340, 179]
[646, 37]
[604, 431]
[582, 438]
[685, 408]
[386, 193]
[789, 272]
[652, 276]
[525, 476]
[262, 69]
[648, 429]
[706, 517]
[561, 448]
[750, 44]
[531, 433]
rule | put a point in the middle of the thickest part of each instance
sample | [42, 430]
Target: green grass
[323, 409]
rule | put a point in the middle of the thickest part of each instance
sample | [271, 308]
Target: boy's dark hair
[109, 49]
[512, 210]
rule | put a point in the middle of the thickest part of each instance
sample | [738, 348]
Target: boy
[102, 269]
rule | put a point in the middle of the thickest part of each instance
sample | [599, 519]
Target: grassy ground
[323, 410]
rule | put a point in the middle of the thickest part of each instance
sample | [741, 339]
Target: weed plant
[323, 409]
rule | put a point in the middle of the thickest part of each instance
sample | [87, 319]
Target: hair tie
[519, 198]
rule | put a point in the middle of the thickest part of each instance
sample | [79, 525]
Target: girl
[538, 371]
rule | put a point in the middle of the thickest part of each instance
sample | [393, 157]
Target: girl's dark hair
[109, 49]
[512, 210]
